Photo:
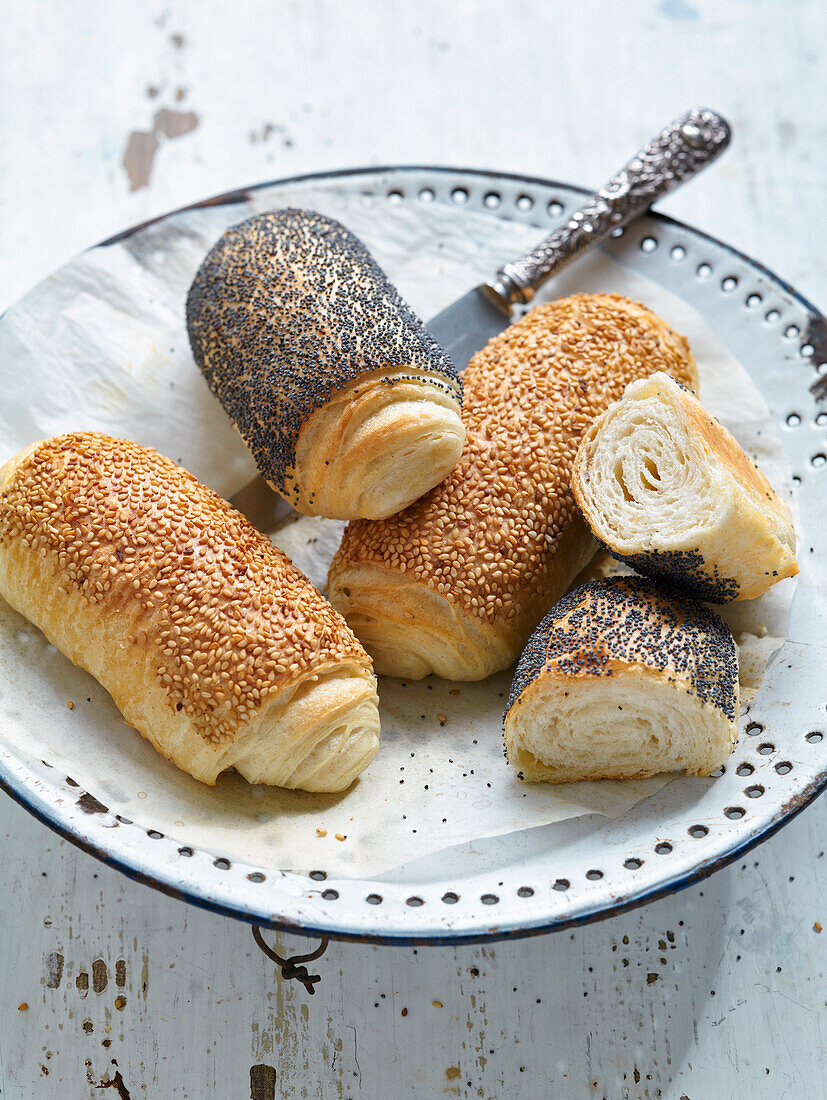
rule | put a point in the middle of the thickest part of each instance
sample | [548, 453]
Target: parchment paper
[103, 345]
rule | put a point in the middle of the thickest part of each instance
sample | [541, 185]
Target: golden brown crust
[727, 449]
[214, 621]
[501, 537]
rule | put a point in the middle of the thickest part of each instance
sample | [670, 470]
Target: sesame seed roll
[212, 644]
[623, 679]
[456, 583]
[348, 405]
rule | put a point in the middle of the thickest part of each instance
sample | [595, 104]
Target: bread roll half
[668, 490]
[456, 583]
[212, 644]
[622, 680]
[347, 403]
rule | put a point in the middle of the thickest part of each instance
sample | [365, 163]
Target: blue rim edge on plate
[622, 905]
[20, 787]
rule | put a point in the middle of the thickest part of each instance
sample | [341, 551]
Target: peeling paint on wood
[174, 124]
[100, 977]
[142, 145]
[110, 1081]
[54, 969]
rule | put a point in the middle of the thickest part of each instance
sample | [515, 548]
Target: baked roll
[456, 583]
[348, 405]
[668, 490]
[212, 644]
[623, 680]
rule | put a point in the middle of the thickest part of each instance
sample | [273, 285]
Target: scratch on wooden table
[285, 1028]
[144, 975]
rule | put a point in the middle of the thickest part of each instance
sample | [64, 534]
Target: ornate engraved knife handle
[673, 156]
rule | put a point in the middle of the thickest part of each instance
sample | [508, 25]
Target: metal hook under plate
[294, 966]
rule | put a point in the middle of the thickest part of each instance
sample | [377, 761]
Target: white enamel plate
[590, 866]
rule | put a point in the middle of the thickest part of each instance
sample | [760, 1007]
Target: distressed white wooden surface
[717, 992]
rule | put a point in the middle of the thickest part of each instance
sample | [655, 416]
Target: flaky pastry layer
[667, 489]
[376, 446]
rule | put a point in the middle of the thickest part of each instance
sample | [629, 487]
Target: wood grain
[109, 989]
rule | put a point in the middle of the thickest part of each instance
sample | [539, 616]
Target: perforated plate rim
[647, 853]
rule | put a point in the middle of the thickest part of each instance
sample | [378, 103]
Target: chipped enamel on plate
[515, 882]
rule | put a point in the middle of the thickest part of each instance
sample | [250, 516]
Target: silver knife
[673, 156]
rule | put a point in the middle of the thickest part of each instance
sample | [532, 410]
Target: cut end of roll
[409, 630]
[622, 680]
[669, 491]
[376, 447]
[628, 726]
[320, 738]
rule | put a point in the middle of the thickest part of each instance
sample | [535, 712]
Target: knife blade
[676, 154]
[467, 325]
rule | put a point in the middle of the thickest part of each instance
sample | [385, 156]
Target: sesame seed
[221, 614]
[487, 537]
